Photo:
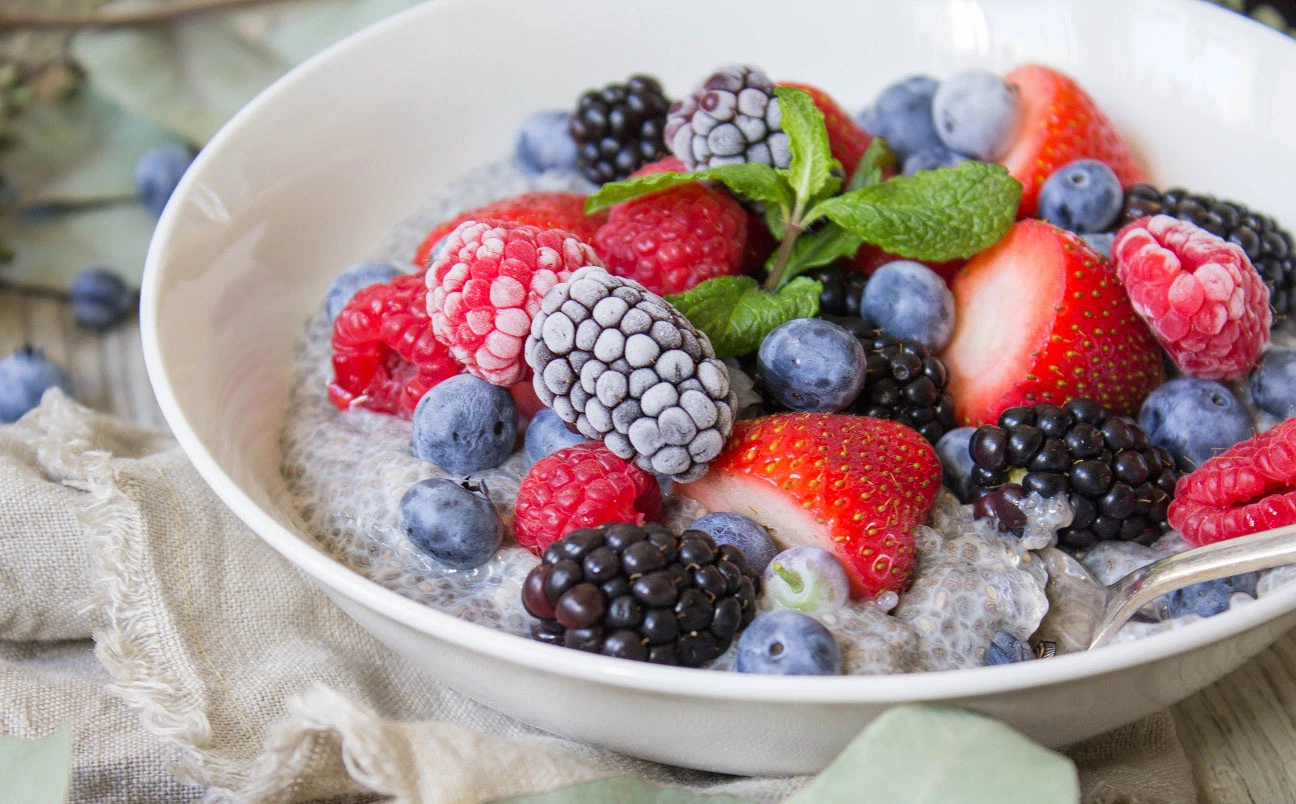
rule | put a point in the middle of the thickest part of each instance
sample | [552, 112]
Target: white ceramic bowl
[305, 179]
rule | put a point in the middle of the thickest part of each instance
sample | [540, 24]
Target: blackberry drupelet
[618, 128]
[1117, 484]
[842, 290]
[643, 593]
[1269, 247]
[905, 383]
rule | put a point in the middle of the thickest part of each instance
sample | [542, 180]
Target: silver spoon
[1259, 551]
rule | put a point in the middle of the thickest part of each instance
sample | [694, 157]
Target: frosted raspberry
[487, 285]
[1200, 295]
[581, 487]
[671, 240]
[546, 210]
[384, 354]
[1248, 488]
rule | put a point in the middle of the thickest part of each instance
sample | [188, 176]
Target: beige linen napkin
[223, 673]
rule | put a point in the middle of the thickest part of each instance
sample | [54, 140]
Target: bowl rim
[338, 579]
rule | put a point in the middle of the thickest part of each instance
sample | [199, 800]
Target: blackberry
[905, 383]
[618, 129]
[1118, 485]
[842, 290]
[1269, 247]
[643, 593]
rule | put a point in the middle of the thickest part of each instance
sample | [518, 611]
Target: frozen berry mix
[681, 381]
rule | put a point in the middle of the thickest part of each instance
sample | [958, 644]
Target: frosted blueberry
[454, 525]
[810, 364]
[1194, 420]
[977, 113]
[931, 159]
[1081, 196]
[465, 424]
[544, 143]
[806, 578]
[903, 115]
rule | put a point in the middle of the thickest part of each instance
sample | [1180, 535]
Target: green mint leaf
[876, 159]
[934, 215]
[811, 166]
[821, 247]
[737, 315]
[776, 220]
[753, 180]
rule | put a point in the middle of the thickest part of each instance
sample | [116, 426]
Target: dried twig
[107, 18]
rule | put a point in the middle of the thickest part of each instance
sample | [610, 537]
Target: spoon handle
[1258, 551]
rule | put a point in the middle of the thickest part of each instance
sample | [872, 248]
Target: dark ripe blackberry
[905, 383]
[1117, 485]
[842, 291]
[618, 129]
[641, 593]
[1270, 248]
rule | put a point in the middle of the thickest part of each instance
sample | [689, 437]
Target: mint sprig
[736, 314]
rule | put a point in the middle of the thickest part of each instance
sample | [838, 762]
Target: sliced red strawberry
[545, 210]
[846, 139]
[1248, 488]
[850, 484]
[870, 258]
[1041, 317]
[1060, 123]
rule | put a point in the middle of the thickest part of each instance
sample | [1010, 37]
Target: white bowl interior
[307, 178]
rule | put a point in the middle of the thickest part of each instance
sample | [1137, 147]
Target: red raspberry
[870, 258]
[847, 140]
[581, 487]
[1200, 295]
[546, 210]
[487, 286]
[1248, 488]
[673, 239]
[384, 355]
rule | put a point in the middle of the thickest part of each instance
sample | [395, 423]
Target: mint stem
[790, 234]
[790, 578]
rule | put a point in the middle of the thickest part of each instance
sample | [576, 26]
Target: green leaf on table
[875, 160]
[622, 790]
[37, 771]
[753, 180]
[810, 172]
[820, 247]
[736, 314]
[933, 215]
[932, 755]
[51, 247]
[80, 151]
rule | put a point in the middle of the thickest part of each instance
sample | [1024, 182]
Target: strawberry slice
[1060, 123]
[1248, 488]
[1041, 317]
[850, 484]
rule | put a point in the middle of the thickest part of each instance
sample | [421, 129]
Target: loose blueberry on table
[785, 374]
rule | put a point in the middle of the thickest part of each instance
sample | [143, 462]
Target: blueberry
[956, 461]
[788, 643]
[547, 433]
[812, 364]
[24, 376]
[976, 113]
[806, 578]
[545, 144]
[158, 172]
[1081, 196]
[751, 538]
[99, 298]
[1273, 385]
[1008, 649]
[1100, 242]
[1194, 419]
[1208, 598]
[353, 280]
[903, 115]
[933, 158]
[453, 524]
[908, 300]
[465, 424]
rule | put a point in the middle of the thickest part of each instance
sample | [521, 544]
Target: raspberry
[486, 287]
[546, 210]
[581, 487]
[673, 239]
[1249, 487]
[384, 355]
[1200, 295]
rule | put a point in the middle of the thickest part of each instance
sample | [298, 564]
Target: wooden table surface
[1240, 734]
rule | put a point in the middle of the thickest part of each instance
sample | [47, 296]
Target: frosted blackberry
[641, 593]
[1118, 485]
[905, 383]
[733, 116]
[626, 368]
[1269, 247]
[618, 128]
